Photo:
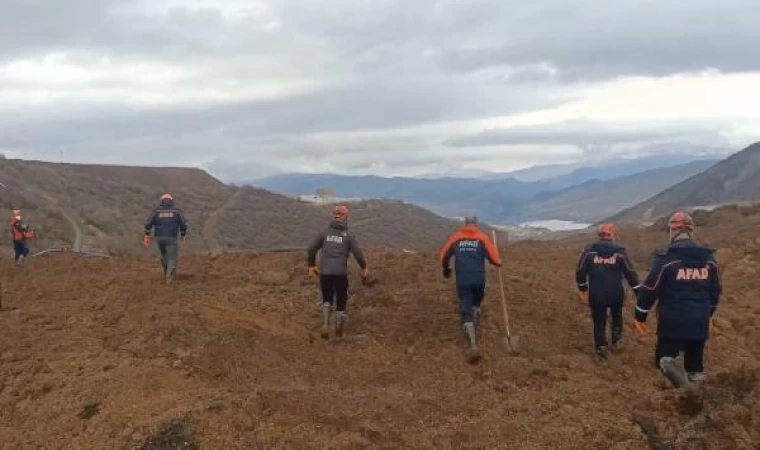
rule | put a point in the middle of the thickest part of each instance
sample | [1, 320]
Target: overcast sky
[391, 87]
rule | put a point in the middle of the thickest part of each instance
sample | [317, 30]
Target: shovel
[511, 343]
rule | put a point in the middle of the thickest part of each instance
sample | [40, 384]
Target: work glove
[313, 271]
[583, 297]
[147, 240]
[446, 272]
[640, 328]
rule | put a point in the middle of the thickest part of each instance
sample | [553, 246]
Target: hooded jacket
[166, 221]
[336, 243]
[471, 248]
[685, 279]
[601, 269]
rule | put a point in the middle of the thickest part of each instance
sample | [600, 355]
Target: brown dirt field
[100, 354]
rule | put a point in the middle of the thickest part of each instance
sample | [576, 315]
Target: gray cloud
[192, 81]
[607, 39]
[583, 133]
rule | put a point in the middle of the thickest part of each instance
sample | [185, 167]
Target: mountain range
[594, 200]
[584, 194]
[736, 179]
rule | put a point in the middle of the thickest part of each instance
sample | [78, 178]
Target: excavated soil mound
[101, 354]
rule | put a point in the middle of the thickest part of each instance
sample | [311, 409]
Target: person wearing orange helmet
[21, 233]
[471, 248]
[599, 274]
[685, 281]
[166, 222]
[335, 245]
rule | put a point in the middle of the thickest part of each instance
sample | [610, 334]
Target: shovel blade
[511, 344]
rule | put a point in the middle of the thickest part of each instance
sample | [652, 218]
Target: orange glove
[313, 271]
[583, 298]
[147, 240]
[640, 328]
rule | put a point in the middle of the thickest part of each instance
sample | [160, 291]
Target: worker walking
[685, 279]
[471, 248]
[599, 274]
[166, 222]
[21, 233]
[337, 243]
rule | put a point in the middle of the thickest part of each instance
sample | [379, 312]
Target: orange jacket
[471, 248]
[20, 230]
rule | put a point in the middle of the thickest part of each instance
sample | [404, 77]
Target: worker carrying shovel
[685, 279]
[471, 248]
[601, 269]
[337, 243]
[166, 222]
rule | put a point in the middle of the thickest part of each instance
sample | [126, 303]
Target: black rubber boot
[603, 354]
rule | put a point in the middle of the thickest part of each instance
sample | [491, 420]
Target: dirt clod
[176, 434]
[90, 410]
[691, 401]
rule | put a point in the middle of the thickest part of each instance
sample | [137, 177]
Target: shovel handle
[501, 285]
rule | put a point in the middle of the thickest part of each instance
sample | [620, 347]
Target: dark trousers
[693, 350]
[21, 249]
[470, 296]
[169, 254]
[335, 287]
[599, 315]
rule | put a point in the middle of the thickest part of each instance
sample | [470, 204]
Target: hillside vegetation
[106, 207]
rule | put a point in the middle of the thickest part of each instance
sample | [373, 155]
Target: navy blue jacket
[685, 279]
[166, 221]
[471, 247]
[601, 269]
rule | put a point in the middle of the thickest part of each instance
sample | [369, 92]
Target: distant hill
[494, 200]
[504, 200]
[595, 200]
[658, 156]
[625, 168]
[255, 218]
[735, 179]
[103, 208]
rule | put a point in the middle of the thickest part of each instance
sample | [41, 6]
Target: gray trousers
[169, 249]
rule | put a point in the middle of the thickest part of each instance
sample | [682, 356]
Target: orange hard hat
[607, 230]
[340, 212]
[681, 220]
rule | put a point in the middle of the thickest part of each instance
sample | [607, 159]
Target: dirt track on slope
[100, 354]
[210, 228]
